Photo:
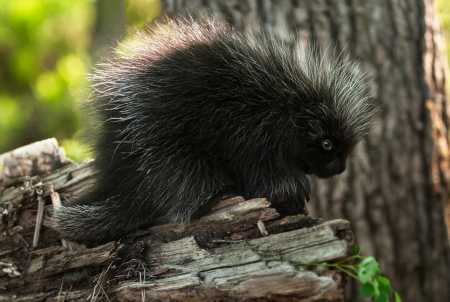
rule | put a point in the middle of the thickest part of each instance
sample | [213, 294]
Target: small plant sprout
[367, 271]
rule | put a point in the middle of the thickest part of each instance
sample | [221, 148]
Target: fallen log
[241, 250]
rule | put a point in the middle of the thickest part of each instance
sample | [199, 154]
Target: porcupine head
[194, 109]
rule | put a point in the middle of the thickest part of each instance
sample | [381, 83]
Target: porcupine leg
[195, 188]
[287, 189]
[291, 194]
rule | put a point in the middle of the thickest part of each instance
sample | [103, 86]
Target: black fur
[192, 110]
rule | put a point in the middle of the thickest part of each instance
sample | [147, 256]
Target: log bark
[240, 251]
[34, 159]
[396, 187]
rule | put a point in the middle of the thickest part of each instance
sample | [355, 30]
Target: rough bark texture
[395, 190]
[34, 159]
[240, 251]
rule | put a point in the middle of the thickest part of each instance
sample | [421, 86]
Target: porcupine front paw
[301, 206]
[291, 205]
[297, 204]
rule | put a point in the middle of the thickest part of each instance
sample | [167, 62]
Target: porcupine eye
[327, 145]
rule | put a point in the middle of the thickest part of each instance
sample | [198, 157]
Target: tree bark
[396, 187]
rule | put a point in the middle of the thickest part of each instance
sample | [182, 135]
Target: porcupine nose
[333, 168]
[336, 167]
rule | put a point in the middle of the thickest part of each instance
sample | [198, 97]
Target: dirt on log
[241, 250]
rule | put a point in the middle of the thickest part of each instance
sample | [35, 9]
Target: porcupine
[194, 109]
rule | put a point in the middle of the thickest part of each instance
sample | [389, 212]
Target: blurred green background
[47, 48]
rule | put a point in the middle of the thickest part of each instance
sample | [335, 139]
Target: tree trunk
[395, 190]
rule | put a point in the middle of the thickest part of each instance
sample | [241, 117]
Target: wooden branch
[241, 250]
[34, 159]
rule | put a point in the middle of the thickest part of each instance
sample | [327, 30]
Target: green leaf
[368, 269]
[367, 290]
[384, 285]
[376, 287]
[397, 297]
[356, 250]
[382, 297]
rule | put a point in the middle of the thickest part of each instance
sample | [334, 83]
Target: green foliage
[45, 59]
[368, 272]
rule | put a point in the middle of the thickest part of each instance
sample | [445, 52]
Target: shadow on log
[240, 251]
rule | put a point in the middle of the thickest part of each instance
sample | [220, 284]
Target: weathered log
[241, 250]
[34, 159]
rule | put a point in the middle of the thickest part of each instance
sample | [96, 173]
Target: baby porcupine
[194, 109]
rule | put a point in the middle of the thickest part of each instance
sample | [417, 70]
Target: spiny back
[211, 66]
